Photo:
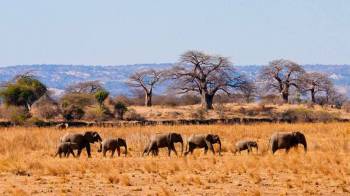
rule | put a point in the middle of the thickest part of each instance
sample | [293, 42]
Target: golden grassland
[27, 165]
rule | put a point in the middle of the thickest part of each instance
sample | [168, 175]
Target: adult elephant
[82, 140]
[205, 141]
[166, 140]
[287, 141]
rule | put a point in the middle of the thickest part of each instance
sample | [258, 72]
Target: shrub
[47, 111]
[17, 115]
[98, 114]
[199, 113]
[131, 114]
[120, 108]
[306, 115]
[220, 110]
[73, 113]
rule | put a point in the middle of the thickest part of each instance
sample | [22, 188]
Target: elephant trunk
[219, 142]
[304, 144]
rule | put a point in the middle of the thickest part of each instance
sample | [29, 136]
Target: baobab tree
[205, 74]
[146, 80]
[316, 83]
[280, 75]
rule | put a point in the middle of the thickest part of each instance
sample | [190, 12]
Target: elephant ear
[209, 138]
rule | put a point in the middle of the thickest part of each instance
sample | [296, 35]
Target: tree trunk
[148, 99]
[207, 101]
[285, 96]
[313, 99]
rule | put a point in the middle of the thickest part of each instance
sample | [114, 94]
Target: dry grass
[229, 110]
[27, 165]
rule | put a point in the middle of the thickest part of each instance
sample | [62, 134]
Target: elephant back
[74, 138]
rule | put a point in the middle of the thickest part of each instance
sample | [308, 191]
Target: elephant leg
[249, 149]
[113, 151]
[205, 149]
[104, 151]
[118, 151]
[79, 152]
[173, 149]
[287, 150]
[88, 150]
[72, 152]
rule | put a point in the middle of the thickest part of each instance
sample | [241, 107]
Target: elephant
[82, 140]
[245, 145]
[205, 141]
[66, 148]
[164, 140]
[287, 141]
[151, 147]
[112, 145]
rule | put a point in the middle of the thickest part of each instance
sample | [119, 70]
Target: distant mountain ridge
[58, 77]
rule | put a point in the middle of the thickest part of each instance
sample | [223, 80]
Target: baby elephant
[66, 148]
[112, 145]
[245, 145]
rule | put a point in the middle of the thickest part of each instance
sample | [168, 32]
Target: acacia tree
[101, 96]
[280, 75]
[316, 83]
[205, 74]
[24, 90]
[145, 80]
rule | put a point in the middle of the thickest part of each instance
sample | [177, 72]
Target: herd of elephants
[79, 141]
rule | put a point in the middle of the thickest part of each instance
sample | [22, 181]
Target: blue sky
[156, 31]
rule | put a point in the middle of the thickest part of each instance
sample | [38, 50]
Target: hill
[58, 77]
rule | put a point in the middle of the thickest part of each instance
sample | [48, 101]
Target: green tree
[23, 91]
[101, 96]
[120, 109]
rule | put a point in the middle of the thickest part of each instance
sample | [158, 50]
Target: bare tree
[146, 80]
[316, 83]
[89, 87]
[206, 75]
[280, 75]
[249, 91]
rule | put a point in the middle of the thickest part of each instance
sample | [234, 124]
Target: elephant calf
[112, 145]
[205, 141]
[287, 141]
[66, 148]
[245, 145]
[151, 147]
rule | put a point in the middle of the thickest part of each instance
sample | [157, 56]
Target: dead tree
[146, 80]
[316, 83]
[89, 87]
[280, 75]
[205, 74]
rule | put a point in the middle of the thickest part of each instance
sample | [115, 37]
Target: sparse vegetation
[26, 157]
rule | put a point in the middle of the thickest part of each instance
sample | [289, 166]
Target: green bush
[120, 108]
[73, 113]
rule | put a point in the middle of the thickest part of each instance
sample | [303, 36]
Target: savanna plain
[28, 165]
